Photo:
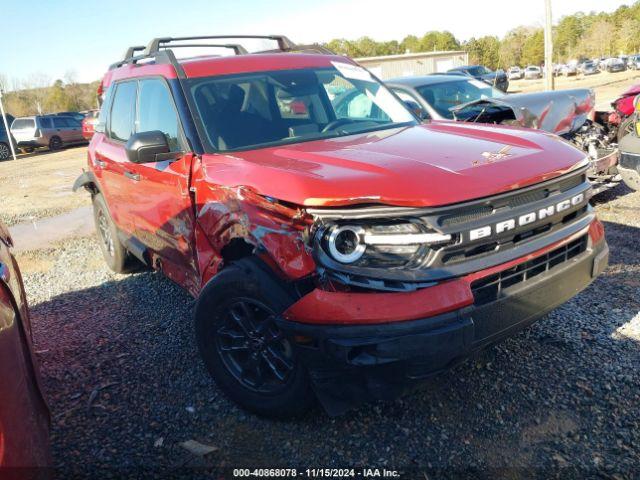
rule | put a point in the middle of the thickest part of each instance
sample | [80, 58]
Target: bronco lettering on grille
[526, 219]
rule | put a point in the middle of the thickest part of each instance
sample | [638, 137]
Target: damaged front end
[402, 294]
[569, 114]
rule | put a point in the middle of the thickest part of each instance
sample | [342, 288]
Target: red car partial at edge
[342, 250]
[24, 415]
[89, 123]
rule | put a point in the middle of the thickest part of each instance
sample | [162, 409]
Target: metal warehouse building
[408, 64]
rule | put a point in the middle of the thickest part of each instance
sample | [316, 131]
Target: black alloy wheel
[252, 348]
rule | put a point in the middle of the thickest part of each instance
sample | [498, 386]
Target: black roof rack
[160, 49]
[284, 44]
[132, 50]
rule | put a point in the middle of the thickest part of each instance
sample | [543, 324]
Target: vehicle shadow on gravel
[126, 386]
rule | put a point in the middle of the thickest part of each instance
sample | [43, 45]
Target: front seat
[239, 128]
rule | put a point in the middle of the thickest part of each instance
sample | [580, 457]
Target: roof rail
[284, 44]
[161, 49]
[131, 50]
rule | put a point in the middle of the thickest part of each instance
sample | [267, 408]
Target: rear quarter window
[23, 123]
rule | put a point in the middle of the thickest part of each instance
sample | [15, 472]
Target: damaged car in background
[569, 114]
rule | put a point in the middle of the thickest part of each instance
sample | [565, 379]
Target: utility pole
[6, 127]
[549, 81]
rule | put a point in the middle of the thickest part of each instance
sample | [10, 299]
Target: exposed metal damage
[568, 113]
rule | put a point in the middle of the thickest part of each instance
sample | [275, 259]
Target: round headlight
[345, 243]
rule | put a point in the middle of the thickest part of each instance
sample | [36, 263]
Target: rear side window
[122, 111]
[21, 123]
[60, 122]
[156, 111]
[45, 122]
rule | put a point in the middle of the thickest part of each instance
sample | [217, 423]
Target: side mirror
[144, 146]
[416, 109]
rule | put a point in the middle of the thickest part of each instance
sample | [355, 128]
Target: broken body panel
[568, 113]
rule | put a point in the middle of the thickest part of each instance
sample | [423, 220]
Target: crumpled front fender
[237, 217]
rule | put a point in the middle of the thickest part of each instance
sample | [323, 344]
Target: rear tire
[115, 254]
[5, 151]
[241, 346]
[55, 143]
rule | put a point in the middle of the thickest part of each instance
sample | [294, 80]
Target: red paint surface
[24, 416]
[426, 165]
[88, 127]
[624, 104]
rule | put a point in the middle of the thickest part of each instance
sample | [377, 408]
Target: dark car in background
[615, 65]
[24, 414]
[589, 68]
[498, 79]
[5, 139]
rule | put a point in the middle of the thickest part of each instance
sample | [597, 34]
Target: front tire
[5, 151]
[241, 345]
[115, 254]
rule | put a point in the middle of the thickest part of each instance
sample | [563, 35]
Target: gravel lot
[126, 386]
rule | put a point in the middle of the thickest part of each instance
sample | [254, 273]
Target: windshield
[289, 106]
[478, 70]
[443, 97]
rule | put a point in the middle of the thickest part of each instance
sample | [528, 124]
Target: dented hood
[439, 163]
[560, 112]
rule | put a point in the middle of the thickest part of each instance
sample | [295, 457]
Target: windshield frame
[208, 147]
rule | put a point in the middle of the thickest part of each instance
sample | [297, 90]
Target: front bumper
[352, 363]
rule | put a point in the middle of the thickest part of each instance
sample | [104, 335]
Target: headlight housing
[381, 244]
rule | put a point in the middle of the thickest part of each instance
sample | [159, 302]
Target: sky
[84, 37]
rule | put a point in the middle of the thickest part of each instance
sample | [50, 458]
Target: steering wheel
[336, 123]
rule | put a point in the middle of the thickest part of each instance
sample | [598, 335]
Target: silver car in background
[532, 72]
[52, 131]
[515, 73]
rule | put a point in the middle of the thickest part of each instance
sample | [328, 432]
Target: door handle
[133, 176]
[101, 164]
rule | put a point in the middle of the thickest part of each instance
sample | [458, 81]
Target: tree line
[581, 35]
[38, 94]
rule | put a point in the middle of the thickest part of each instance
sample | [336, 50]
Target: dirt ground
[38, 185]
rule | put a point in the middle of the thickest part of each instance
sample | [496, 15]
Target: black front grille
[490, 288]
[487, 208]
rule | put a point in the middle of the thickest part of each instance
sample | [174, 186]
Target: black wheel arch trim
[87, 180]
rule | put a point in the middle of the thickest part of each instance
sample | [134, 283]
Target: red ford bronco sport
[338, 249]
